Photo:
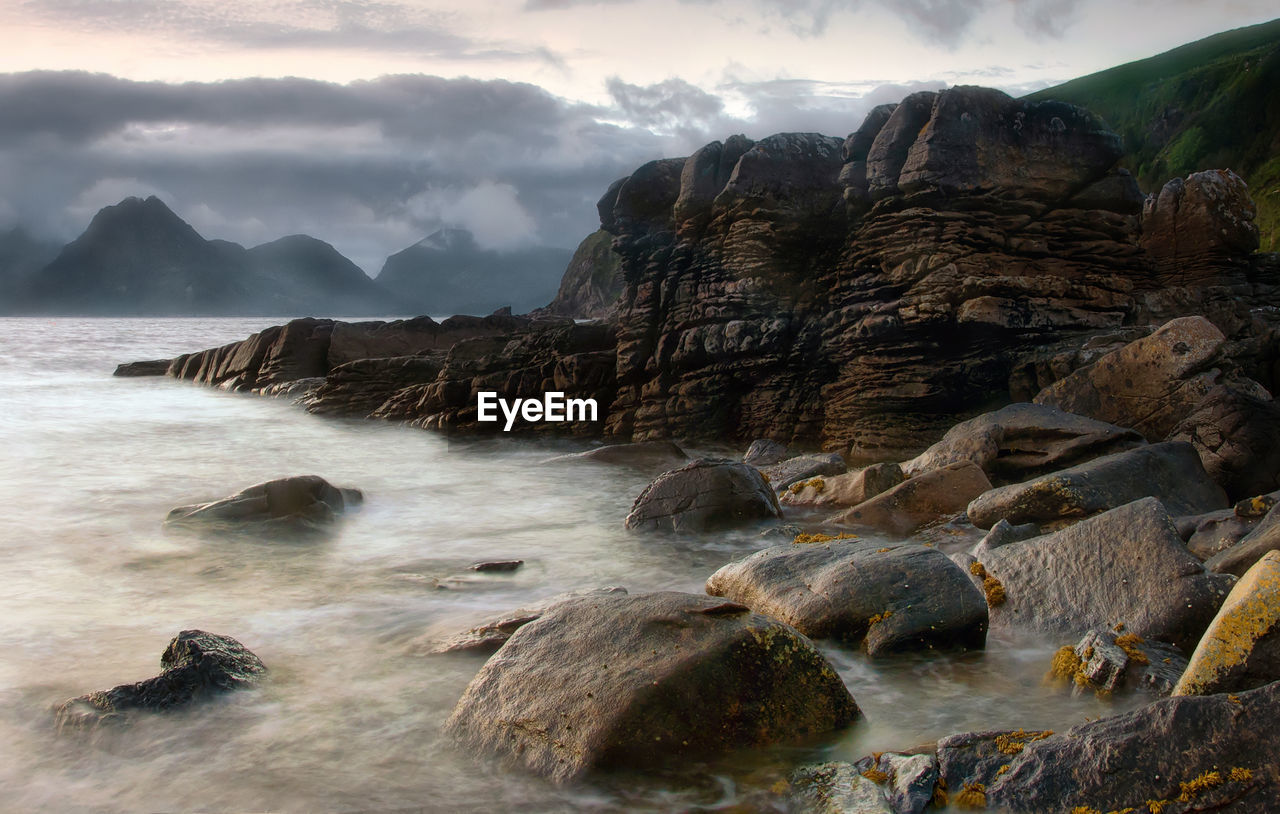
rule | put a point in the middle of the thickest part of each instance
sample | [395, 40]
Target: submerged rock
[196, 665]
[488, 636]
[1170, 471]
[1127, 566]
[301, 502]
[1191, 753]
[765, 452]
[704, 495]
[887, 599]
[152, 367]
[634, 682]
[1241, 648]
[837, 788]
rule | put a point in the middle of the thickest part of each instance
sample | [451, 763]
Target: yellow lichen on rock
[1066, 665]
[876, 776]
[991, 587]
[1248, 619]
[819, 537]
[972, 797]
[1129, 644]
[1011, 743]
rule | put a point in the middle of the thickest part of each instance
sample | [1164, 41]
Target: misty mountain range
[139, 258]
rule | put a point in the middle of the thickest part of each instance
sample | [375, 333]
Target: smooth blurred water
[92, 588]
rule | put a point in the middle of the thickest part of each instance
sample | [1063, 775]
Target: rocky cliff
[958, 250]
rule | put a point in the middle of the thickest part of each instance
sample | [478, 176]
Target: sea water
[92, 588]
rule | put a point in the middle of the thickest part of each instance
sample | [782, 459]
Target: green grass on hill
[1214, 103]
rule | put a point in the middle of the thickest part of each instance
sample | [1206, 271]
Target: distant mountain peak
[449, 239]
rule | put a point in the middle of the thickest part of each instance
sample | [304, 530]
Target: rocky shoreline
[1051, 396]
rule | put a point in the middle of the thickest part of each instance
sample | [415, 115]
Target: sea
[92, 588]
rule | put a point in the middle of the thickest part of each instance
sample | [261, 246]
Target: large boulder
[1197, 228]
[1241, 648]
[633, 682]
[887, 599]
[1237, 434]
[1170, 471]
[1127, 566]
[1023, 440]
[1191, 753]
[704, 495]
[922, 500]
[1150, 384]
[301, 502]
[196, 665]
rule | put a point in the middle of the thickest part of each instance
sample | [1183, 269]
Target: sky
[372, 124]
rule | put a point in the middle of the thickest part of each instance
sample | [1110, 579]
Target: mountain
[592, 282]
[314, 271]
[448, 273]
[138, 258]
[21, 255]
[1210, 104]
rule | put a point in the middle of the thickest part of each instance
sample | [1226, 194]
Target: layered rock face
[866, 293]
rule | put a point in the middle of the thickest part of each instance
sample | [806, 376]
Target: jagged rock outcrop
[1200, 229]
[863, 294]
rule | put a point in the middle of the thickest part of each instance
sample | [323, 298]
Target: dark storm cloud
[370, 166]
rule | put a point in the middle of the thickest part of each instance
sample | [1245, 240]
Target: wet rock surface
[641, 681]
[301, 503]
[704, 495]
[1185, 754]
[1108, 661]
[1237, 435]
[195, 666]
[1127, 566]
[884, 598]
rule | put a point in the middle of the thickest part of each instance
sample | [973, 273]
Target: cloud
[400, 26]
[490, 211]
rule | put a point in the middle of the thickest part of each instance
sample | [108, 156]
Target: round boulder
[704, 495]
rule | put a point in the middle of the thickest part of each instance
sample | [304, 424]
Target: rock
[1240, 557]
[634, 682]
[979, 139]
[1199, 227]
[1241, 648]
[155, 367]
[1106, 662]
[1127, 566]
[658, 456]
[1149, 385]
[1197, 753]
[1004, 532]
[1214, 532]
[301, 502]
[919, 501]
[359, 388]
[886, 598]
[1169, 471]
[837, 788]
[848, 489]
[912, 780]
[803, 467]
[195, 666]
[1023, 440]
[497, 566]
[765, 452]
[488, 636]
[704, 495]
[1238, 437]
[591, 283]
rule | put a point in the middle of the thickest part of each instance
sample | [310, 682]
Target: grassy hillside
[1214, 103]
